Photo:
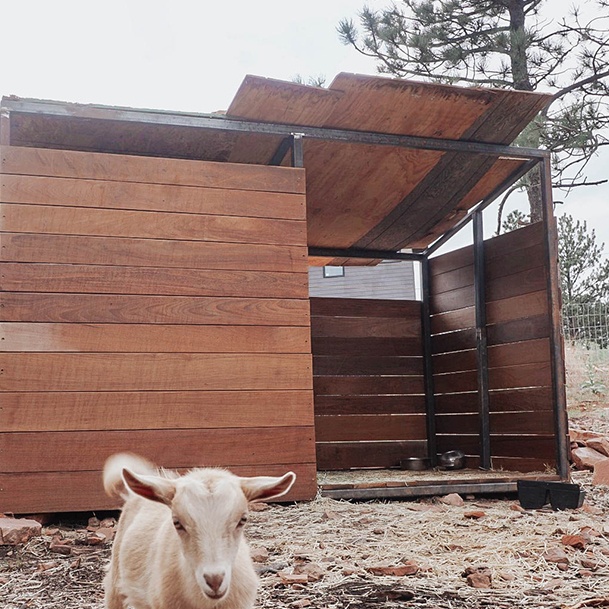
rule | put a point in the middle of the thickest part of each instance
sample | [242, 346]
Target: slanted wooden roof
[359, 195]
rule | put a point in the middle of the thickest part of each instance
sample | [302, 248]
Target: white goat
[179, 543]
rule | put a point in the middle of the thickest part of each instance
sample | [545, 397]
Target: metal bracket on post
[481, 341]
[297, 153]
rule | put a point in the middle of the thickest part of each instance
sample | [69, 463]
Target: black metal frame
[293, 138]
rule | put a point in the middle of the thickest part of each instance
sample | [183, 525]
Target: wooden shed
[154, 291]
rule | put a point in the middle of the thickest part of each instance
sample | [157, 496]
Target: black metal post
[557, 362]
[481, 342]
[430, 399]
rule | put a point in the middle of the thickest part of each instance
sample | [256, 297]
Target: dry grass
[342, 540]
[587, 374]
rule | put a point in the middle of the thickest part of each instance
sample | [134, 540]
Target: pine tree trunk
[522, 82]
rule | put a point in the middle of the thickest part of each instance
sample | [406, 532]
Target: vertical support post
[430, 401]
[481, 341]
[297, 153]
[5, 127]
[557, 361]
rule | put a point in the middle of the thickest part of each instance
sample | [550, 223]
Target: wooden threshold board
[407, 484]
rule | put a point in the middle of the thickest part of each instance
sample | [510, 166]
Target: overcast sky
[191, 55]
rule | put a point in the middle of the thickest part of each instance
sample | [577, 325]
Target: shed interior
[154, 291]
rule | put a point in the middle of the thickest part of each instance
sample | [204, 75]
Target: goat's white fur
[206, 564]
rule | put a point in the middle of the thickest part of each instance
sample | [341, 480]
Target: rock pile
[590, 450]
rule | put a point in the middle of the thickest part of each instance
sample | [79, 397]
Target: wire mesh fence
[587, 324]
[586, 331]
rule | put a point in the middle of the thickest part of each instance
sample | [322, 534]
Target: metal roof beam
[222, 123]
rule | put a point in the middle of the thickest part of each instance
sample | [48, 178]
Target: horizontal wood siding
[368, 382]
[151, 305]
[518, 331]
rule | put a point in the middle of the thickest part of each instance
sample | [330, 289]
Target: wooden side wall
[368, 382]
[518, 326]
[152, 305]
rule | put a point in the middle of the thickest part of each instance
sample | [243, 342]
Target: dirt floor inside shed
[329, 554]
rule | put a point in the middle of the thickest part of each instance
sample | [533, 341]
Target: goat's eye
[242, 521]
[178, 525]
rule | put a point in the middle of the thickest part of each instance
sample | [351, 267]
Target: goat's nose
[214, 581]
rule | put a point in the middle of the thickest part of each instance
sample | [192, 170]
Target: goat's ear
[263, 488]
[154, 488]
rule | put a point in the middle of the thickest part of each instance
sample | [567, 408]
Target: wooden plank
[508, 377]
[366, 365]
[526, 352]
[152, 338]
[542, 447]
[528, 399]
[59, 220]
[28, 493]
[454, 341]
[373, 346]
[369, 404]
[508, 243]
[531, 304]
[368, 385]
[153, 372]
[444, 263]
[528, 422]
[517, 284]
[129, 168]
[509, 332]
[508, 309]
[364, 307]
[112, 251]
[76, 278]
[55, 451]
[107, 194]
[89, 411]
[124, 309]
[519, 330]
[519, 262]
[362, 327]
[347, 455]
[355, 428]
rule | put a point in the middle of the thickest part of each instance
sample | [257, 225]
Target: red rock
[15, 531]
[592, 509]
[475, 514]
[600, 445]
[452, 499]
[478, 577]
[95, 539]
[562, 566]
[61, 546]
[585, 573]
[601, 473]
[293, 578]
[581, 435]
[574, 541]
[589, 563]
[408, 568]
[556, 555]
[312, 570]
[259, 554]
[587, 458]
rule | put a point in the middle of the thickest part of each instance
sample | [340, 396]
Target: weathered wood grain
[122, 410]
[153, 372]
[126, 309]
[152, 338]
[112, 194]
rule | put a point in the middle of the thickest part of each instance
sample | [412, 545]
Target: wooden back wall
[368, 382]
[152, 305]
[518, 326]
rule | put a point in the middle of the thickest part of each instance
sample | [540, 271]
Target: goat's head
[208, 509]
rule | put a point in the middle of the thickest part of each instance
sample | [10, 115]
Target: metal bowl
[414, 464]
[452, 459]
